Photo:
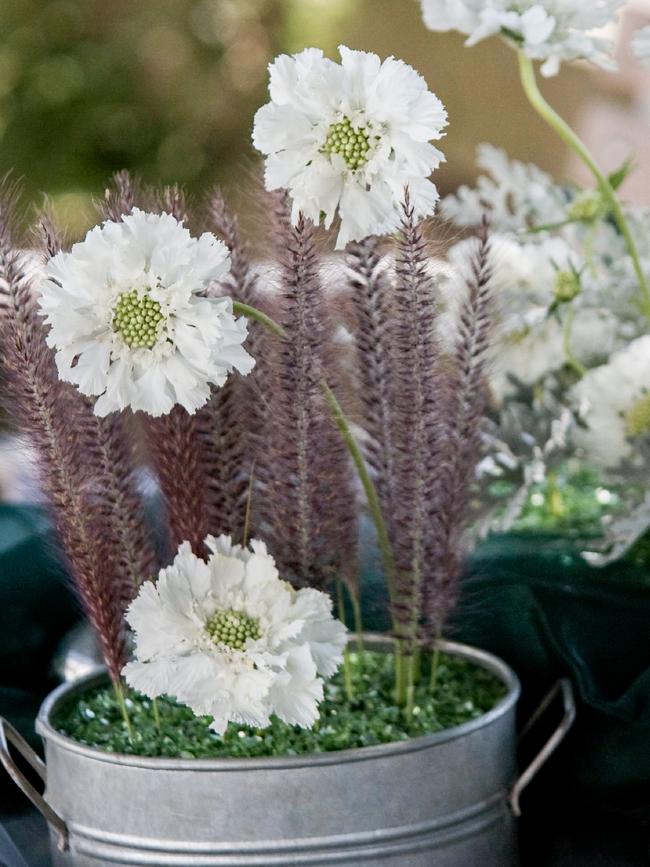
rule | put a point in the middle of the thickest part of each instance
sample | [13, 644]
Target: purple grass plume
[111, 444]
[232, 422]
[461, 445]
[308, 500]
[371, 295]
[121, 197]
[51, 414]
[418, 412]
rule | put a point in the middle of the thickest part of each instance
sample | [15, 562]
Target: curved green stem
[121, 700]
[258, 316]
[355, 452]
[369, 488]
[562, 128]
[572, 361]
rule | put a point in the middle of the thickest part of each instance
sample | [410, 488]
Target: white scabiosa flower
[233, 641]
[350, 137]
[548, 30]
[130, 321]
[614, 401]
[641, 45]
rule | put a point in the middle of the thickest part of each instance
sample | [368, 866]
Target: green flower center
[352, 144]
[137, 318]
[232, 628]
[567, 286]
[637, 418]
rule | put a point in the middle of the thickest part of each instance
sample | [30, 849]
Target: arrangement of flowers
[146, 331]
[570, 275]
[269, 435]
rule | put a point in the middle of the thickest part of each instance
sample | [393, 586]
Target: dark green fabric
[536, 603]
[37, 607]
[532, 600]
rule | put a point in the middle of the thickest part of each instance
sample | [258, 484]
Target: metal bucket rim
[481, 658]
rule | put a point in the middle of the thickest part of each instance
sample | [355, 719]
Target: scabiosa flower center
[352, 144]
[137, 319]
[232, 628]
[637, 418]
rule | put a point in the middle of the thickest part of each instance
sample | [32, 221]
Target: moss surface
[463, 692]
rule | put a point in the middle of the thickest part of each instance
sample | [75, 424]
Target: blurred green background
[168, 88]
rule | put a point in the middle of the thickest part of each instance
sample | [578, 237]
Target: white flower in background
[532, 283]
[514, 194]
[129, 319]
[641, 45]
[233, 641]
[350, 137]
[614, 400]
[549, 30]
[519, 196]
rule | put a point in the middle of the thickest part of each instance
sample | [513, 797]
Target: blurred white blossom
[548, 30]
[614, 401]
[641, 45]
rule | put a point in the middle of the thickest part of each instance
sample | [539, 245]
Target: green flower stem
[403, 671]
[119, 694]
[410, 667]
[435, 662]
[258, 316]
[368, 486]
[347, 668]
[572, 361]
[156, 713]
[548, 227]
[249, 502]
[562, 128]
[357, 619]
[372, 498]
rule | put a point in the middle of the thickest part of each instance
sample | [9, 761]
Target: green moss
[573, 500]
[463, 692]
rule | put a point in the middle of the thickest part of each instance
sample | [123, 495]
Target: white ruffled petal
[296, 691]
[275, 671]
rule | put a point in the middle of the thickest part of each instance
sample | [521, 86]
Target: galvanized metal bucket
[443, 800]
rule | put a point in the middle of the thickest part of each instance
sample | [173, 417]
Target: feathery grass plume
[231, 423]
[466, 399]
[48, 411]
[241, 280]
[370, 293]
[121, 197]
[176, 445]
[172, 200]
[306, 478]
[109, 445]
[419, 404]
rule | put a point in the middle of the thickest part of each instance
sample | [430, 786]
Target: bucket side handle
[9, 735]
[562, 687]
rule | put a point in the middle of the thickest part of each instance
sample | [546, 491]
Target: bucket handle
[9, 735]
[563, 687]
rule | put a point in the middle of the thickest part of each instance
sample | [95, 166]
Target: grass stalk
[121, 700]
